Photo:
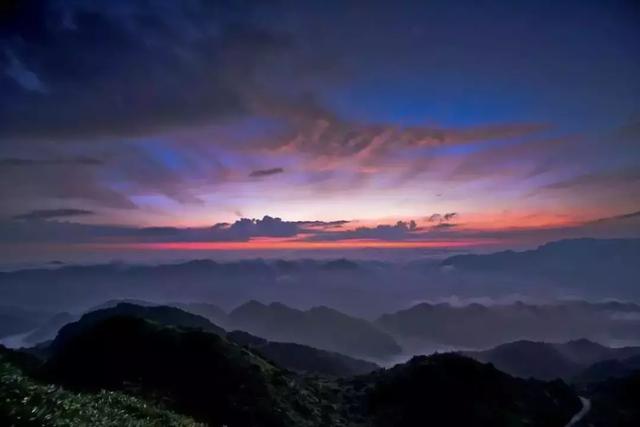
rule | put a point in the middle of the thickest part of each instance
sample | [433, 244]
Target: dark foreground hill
[452, 390]
[163, 315]
[614, 402]
[191, 371]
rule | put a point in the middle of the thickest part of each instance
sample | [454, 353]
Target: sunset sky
[317, 125]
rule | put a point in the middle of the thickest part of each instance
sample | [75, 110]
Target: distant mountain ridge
[586, 263]
[572, 360]
[16, 320]
[477, 326]
[587, 268]
[567, 255]
[319, 327]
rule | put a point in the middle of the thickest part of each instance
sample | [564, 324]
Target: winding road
[586, 406]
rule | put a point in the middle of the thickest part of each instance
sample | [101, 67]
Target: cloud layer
[159, 121]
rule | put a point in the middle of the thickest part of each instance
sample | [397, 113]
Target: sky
[238, 125]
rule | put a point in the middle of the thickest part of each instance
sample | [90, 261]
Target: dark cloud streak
[260, 173]
[46, 214]
[74, 161]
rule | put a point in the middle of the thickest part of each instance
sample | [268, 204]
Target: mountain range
[141, 365]
[597, 265]
[320, 327]
[201, 376]
[587, 269]
[477, 326]
[580, 360]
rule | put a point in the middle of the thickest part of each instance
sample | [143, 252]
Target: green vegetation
[25, 402]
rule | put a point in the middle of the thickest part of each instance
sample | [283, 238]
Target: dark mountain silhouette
[194, 372]
[614, 403]
[548, 360]
[319, 327]
[480, 326]
[163, 315]
[451, 390]
[302, 358]
[287, 355]
[133, 301]
[209, 311]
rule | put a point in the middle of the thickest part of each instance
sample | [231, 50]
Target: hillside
[194, 372]
[302, 358]
[26, 402]
[451, 390]
[163, 315]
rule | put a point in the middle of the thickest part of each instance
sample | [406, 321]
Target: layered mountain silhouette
[484, 326]
[319, 327]
[548, 361]
[607, 369]
[291, 356]
[590, 263]
[587, 268]
[188, 375]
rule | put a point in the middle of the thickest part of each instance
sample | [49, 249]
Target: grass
[25, 402]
